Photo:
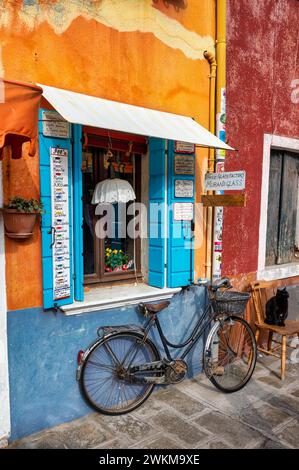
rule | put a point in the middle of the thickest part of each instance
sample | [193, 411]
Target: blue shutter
[180, 253]
[78, 214]
[156, 217]
[45, 144]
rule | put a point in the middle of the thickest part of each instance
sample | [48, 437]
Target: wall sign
[184, 164]
[183, 188]
[183, 210]
[225, 181]
[224, 200]
[60, 222]
[54, 125]
[184, 147]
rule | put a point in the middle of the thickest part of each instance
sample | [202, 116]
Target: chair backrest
[262, 291]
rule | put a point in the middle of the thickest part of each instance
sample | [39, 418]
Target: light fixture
[113, 190]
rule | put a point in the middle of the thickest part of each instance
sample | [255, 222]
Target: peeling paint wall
[134, 51]
[262, 62]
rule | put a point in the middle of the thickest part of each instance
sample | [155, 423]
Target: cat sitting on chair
[277, 308]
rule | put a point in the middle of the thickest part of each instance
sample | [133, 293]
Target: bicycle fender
[105, 331]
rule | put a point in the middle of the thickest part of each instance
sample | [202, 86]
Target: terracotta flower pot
[18, 224]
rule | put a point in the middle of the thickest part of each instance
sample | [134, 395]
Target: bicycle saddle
[155, 308]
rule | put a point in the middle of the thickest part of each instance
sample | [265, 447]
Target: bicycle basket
[231, 302]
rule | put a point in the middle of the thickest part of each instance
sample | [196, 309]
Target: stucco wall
[262, 64]
[43, 351]
[139, 52]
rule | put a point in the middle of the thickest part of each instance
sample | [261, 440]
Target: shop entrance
[111, 239]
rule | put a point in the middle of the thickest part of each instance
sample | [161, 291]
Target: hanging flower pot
[19, 217]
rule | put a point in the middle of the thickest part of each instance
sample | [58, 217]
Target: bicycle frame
[198, 330]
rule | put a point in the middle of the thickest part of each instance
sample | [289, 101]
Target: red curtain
[19, 104]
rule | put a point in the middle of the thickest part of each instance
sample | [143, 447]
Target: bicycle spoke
[100, 366]
[109, 350]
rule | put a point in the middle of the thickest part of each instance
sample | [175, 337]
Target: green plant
[26, 205]
[114, 258]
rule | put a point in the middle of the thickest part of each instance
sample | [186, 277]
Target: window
[117, 256]
[282, 243]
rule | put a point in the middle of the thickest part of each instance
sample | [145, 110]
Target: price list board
[60, 222]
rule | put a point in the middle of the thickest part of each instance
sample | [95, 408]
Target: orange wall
[153, 59]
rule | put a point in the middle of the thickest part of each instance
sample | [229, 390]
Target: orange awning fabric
[19, 105]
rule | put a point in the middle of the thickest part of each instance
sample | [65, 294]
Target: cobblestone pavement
[193, 414]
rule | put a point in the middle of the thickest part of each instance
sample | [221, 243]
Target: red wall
[262, 62]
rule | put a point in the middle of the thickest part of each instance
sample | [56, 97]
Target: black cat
[277, 308]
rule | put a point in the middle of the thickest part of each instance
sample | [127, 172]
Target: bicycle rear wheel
[102, 380]
[230, 354]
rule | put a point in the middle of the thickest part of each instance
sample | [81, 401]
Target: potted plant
[20, 215]
[115, 260]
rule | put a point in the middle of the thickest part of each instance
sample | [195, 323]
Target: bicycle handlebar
[224, 282]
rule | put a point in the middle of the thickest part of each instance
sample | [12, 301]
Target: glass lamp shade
[112, 191]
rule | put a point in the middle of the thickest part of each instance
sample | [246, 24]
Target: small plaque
[54, 125]
[184, 147]
[183, 188]
[184, 164]
[183, 211]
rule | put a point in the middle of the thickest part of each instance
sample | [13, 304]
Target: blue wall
[43, 350]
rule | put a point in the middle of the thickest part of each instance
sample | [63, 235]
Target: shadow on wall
[43, 349]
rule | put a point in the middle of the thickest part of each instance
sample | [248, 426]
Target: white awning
[87, 110]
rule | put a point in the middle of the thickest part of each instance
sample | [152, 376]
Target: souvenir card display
[60, 222]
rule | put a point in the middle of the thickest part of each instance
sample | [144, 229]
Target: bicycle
[119, 371]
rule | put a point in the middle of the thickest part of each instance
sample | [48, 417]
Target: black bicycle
[119, 371]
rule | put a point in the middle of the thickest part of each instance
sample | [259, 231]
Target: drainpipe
[220, 51]
[211, 162]
[220, 109]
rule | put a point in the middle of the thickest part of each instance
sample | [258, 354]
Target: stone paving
[193, 414]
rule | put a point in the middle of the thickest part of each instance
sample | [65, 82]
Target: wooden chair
[261, 293]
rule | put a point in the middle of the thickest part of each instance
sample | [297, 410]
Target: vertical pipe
[220, 109]
[220, 51]
[211, 161]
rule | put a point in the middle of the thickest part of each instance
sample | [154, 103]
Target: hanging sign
[183, 188]
[238, 200]
[54, 125]
[183, 210]
[184, 147]
[225, 181]
[184, 164]
[60, 222]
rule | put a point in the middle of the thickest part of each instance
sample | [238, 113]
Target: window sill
[278, 271]
[104, 298]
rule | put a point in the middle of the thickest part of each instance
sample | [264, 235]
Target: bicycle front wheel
[230, 354]
[103, 381]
